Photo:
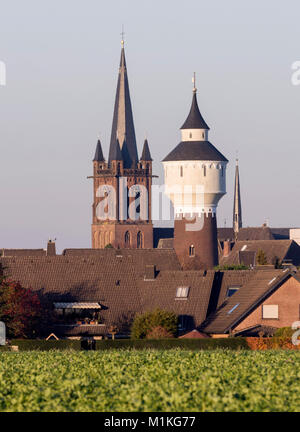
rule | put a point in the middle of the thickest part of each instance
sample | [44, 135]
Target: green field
[174, 380]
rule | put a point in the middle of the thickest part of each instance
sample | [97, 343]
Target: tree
[109, 246]
[144, 323]
[20, 309]
[159, 333]
[261, 258]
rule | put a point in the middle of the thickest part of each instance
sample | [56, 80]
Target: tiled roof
[234, 309]
[281, 249]
[245, 234]
[22, 252]
[167, 243]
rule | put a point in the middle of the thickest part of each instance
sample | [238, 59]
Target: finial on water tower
[194, 82]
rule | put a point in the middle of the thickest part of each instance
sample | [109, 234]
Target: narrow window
[204, 170]
[191, 136]
[222, 170]
[127, 239]
[139, 240]
[192, 251]
[181, 171]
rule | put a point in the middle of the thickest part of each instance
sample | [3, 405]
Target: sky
[62, 62]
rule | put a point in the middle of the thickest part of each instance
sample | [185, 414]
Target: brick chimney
[226, 248]
[51, 249]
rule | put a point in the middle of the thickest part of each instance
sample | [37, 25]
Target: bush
[231, 267]
[146, 322]
[165, 344]
[43, 345]
[159, 333]
[284, 332]
[261, 258]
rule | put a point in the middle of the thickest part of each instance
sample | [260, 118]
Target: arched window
[127, 239]
[192, 251]
[139, 240]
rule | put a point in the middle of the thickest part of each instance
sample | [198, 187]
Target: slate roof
[115, 152]
[123, 125]
[194, 119]
[281, 249]
[98, 154]
[247, 298]
[146, 155]
[195, 150]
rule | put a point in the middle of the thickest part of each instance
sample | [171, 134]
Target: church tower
[122, 184]
[237, 205]
[195, 181]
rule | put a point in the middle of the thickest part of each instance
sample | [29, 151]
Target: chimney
[51, 249]
[150, 272]
[226, 248]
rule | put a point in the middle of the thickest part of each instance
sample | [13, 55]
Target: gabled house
[269, 299]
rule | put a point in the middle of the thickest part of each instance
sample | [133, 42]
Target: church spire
[237, 205]
[123, 126]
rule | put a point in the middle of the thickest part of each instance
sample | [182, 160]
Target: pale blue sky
[62, 62]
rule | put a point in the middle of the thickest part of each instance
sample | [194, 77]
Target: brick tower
[195, 182]
[122, 185]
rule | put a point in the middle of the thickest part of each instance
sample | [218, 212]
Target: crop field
[152, 380]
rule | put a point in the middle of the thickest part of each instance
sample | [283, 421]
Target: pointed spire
[195, 119]
[98, 154]
[123, 126]
[146, 155]
[115, 152]
[237, 205]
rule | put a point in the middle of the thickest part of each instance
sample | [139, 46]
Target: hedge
[190, 344]
[44, 345]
